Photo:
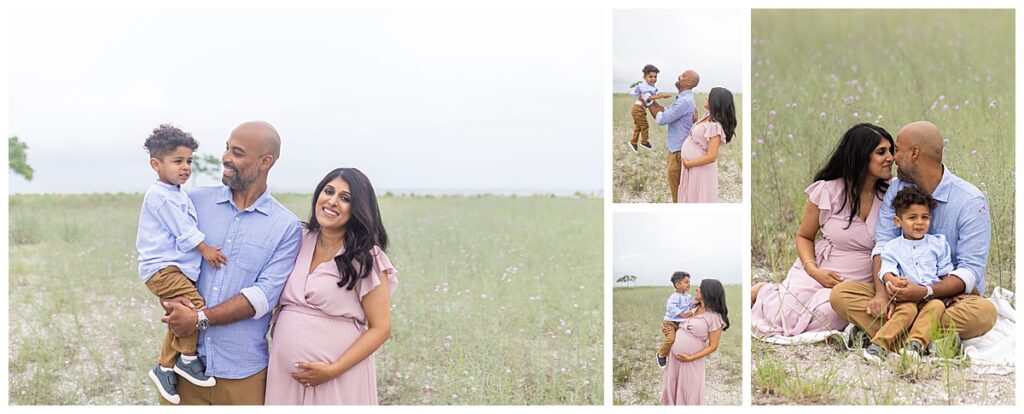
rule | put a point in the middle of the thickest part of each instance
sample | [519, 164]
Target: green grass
[637, 316]
[500, 301]
[816, 73]
[641, 178]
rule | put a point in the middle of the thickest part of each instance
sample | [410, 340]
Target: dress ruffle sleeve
[381, 265]
[715, 321]
[824, 195]
[712, 130]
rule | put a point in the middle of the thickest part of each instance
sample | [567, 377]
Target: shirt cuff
[878, 249]
[965, 275]
[657, 118]
[190, 241]
[257, 299]
[883, 271]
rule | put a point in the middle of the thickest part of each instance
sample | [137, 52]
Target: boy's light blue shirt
[961, 214]
[678, 303]
[168, 232]
[261, 243]
[679, 118]
[920, 261]
[644, 91]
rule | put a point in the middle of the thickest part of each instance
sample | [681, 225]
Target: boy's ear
[154, 164]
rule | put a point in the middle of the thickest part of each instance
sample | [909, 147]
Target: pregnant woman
[335, 309]
[696, 338]
[698, 180]
[835, 237]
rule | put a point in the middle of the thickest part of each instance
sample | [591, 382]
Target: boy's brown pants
[910, 322]
[640, 126]
[166, 283]
[670, 338]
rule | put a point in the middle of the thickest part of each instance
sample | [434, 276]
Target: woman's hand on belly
[685, 358]
[315, 373]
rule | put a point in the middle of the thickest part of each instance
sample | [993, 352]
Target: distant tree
[206, 164]
[18, 158]
[627, 279]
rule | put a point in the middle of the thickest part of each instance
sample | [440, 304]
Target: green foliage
[811, 82]
[207, 164]
[17, 161]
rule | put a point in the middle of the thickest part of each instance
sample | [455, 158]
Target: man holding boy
[261, 239]
[961, 215]
[679, 116]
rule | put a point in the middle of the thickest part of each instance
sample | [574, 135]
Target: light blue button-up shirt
[676, 304]
[168, 232]
[261, 243]
[644, 91]
[961, 215]
[920, 261]
[679, 118]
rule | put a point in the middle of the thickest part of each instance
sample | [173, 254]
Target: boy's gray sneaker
[194, 372]
[948, 347]
[874, 353]
[167, 383]
[859, 338]
[662, 361]
[913, 350]
[632, 146]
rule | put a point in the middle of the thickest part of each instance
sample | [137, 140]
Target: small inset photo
[677, 95]
[676, 279]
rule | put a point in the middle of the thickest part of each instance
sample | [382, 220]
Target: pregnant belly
[691, 150]
[299, 337]
[852, 265]
[686, 344]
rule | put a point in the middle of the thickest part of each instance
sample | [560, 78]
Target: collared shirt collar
[169, 187]
[262, 204]
[941, 193]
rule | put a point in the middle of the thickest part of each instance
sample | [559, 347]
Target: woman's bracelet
[808, 260]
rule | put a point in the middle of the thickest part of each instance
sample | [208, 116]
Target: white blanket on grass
[992, 353]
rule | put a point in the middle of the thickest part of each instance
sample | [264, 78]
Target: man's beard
[903, 175]
[237, 181]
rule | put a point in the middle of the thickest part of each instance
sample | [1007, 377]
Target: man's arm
[253, 302]
[673, 112]
[974, 234]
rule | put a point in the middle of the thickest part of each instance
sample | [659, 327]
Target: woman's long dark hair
[723, 110]
[849, 161]
[713, 293]
[363, 230]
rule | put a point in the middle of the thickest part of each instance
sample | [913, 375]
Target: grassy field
[641, 178]
[500, 301]
[810, 84]
[637, 316]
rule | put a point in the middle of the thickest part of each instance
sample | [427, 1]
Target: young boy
[170, 246]
[679, 306]
[645, 93]
[916, 257]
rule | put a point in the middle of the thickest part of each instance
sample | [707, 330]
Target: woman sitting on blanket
[835, 237]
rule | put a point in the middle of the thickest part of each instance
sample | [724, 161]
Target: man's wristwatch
[202, 323]
[928, 296]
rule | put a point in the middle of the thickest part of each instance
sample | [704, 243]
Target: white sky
[708, 41]
[652, 245]
[421, 100]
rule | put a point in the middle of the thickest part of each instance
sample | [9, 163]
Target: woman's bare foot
[753, 292]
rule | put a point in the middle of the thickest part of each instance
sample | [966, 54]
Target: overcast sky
[420, 100]
[707, 41]
[653, 245]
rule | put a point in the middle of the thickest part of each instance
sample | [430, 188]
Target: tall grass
[815, 73]
[637, 318]
[499, 302]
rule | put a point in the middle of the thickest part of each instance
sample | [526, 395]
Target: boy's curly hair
[909, 196]
[166, 138]
[650, 68]
[677, 276]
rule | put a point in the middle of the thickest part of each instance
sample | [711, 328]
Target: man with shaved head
[961, 215]
[680, 117]
[260, 238]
